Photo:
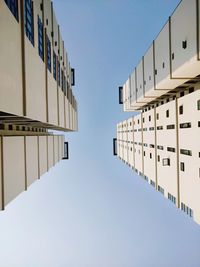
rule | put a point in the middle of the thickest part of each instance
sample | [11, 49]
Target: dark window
[181, 110]
[170, 126]
[58, 73]
[160, 189]
[143, 120]
[149, 118]
[191, 90]
[182, 93]
[54, 65]
[29, 24]
[171, 149]
[166, 162]
[160, 147]
[13, 6]
[151, 145]
[150, 155]
[138, 121]
[185, 125]
[172, 198]
[152, 183]
[198, 104]
[182, 166]
[186, 152]
[167, 113]
[157, 116]
[159, 127]
[40, 39]
[62, 80]
[186, 209]
[48, 54]
[151, 128]
[144, 153]
[158, 158]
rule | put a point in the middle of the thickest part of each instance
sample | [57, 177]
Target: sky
[92, 210]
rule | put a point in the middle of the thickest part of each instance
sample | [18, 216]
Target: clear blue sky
[93, 211]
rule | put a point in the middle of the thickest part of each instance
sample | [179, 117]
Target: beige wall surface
[52, 100]
[189, 140]
[14, 167]
[50, 151]
[35, 84]
[167, 175]
[32, 160]
[184, 22]
[11, 90]
[43, 167]
[149, 140]
[1, 204]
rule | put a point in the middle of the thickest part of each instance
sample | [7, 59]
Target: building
[36, 95]
[161, 142]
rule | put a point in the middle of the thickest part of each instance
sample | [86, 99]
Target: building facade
[36, 94]
[161, 143]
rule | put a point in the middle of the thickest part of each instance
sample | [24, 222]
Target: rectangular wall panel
[32, 160]
[14, 174]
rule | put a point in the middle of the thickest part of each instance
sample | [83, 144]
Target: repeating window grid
[187, 210]
[13, 6]
[58, 73]
[48, 54]
[62, 80]
[29, 25]
[40, 39]
[54, 65]
[172, 198]
[160, 189]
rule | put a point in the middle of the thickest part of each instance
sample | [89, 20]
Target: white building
[162, 143]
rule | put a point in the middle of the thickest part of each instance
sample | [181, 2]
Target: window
[167, 113]
[144, 153]
[158, 158]
[182, 166]
[13, 6]
[150, 155]
[186, 152]
[146, 178]
[160, 147]
[185, 125]
[182, 93]
[48, 54]
[58, 73]
[151, 145]
[40, 39]
[149, 118]
[181, 110]
[198, 104]
[151, 128]
[138, 121]
[152, 183]
[170, 126]
[157, 116]
[191, 90]
[62, 80]
[198, 123]
[172, 198]
[29, 25]
[186, 209]
[54, 65]
[159, 127]
[171, 149]
[160, 189]
[166, 162]
[143, 120]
